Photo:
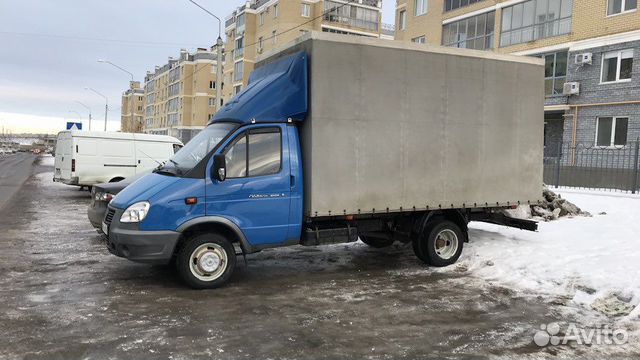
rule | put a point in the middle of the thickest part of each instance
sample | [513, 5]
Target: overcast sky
[49, 51]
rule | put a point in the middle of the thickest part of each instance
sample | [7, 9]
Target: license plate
[105, 229]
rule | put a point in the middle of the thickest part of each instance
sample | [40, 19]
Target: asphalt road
[14, 170]
[63, 296]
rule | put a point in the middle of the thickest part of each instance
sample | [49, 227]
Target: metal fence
[593, 167]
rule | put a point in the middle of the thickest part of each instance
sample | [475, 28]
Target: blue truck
[339, 138]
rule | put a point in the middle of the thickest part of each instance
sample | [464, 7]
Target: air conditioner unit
[584, 58]
[571, 88]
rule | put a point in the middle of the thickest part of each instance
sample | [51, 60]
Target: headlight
[102, 196]
[135, 213]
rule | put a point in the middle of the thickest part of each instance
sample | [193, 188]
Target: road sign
[74, 126]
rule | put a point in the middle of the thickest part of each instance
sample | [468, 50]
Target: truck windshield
[196, 149]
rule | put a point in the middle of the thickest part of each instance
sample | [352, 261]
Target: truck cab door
[256, 192]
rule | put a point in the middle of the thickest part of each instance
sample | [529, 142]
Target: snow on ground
[47, 160]
[591, 259]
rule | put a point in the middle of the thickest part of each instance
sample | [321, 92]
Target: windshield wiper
[164, 172]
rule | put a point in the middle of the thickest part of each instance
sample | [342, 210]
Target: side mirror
[219, 167]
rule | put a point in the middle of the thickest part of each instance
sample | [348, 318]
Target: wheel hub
[446, 244]
[209, 262]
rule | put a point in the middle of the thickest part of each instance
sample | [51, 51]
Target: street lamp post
[131, 97]
[219, 45]
[106, 105]
[88, 108]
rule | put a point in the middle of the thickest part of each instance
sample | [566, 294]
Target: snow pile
[552, 207]
[592, 260]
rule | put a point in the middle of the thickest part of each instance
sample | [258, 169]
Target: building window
[261, 18]
[535, 19]
[212, 102]
[420, 7]
[555, 72]
[237, 89]
[239, 50]
[212, 84]
[611, 131]
[472, 33]
[306, 10]
[620, 6]
[260, 43]
[617, 66]
[419, 40]
[274, 37]
[238, 71]
[454, 4]
[402, 20]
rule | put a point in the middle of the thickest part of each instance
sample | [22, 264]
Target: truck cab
[238, 181]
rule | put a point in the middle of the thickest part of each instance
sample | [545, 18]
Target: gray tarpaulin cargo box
[395, 125]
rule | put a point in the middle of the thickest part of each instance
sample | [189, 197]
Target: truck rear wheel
[206, 261]
[440, 244]
[376, 242]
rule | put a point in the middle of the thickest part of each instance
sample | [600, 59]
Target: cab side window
[255, 153]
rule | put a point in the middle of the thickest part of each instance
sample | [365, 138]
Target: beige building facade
[131, 119]
[262, 25]
[179, 96]
[592, 60]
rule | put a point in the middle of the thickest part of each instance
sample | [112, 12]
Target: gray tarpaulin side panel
[395, 125]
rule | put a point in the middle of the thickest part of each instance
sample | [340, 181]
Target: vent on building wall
[571, 88]
[584, 58]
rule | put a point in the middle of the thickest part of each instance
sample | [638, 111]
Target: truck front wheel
[206, 261]
[440, 244]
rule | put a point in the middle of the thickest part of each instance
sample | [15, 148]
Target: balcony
[352, 22]
[230, 21]
[374, 3]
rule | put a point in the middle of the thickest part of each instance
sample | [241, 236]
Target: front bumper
[95, 213]
[152, 247]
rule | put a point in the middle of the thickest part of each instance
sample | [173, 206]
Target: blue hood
[141, 190]
[276, 92]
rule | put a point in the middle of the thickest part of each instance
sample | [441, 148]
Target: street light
[117, 67]
[88, 108]
[131, 101]
[106, 105]
[219, 55]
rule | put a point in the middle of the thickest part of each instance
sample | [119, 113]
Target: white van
[90, 157]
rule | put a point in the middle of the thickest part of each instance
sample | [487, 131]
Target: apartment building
[179, 96]
[259, 26]
[591, 50]
[131, 118]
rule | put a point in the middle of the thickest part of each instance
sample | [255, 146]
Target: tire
[440, 244]
[376, 242]
[206, 261]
